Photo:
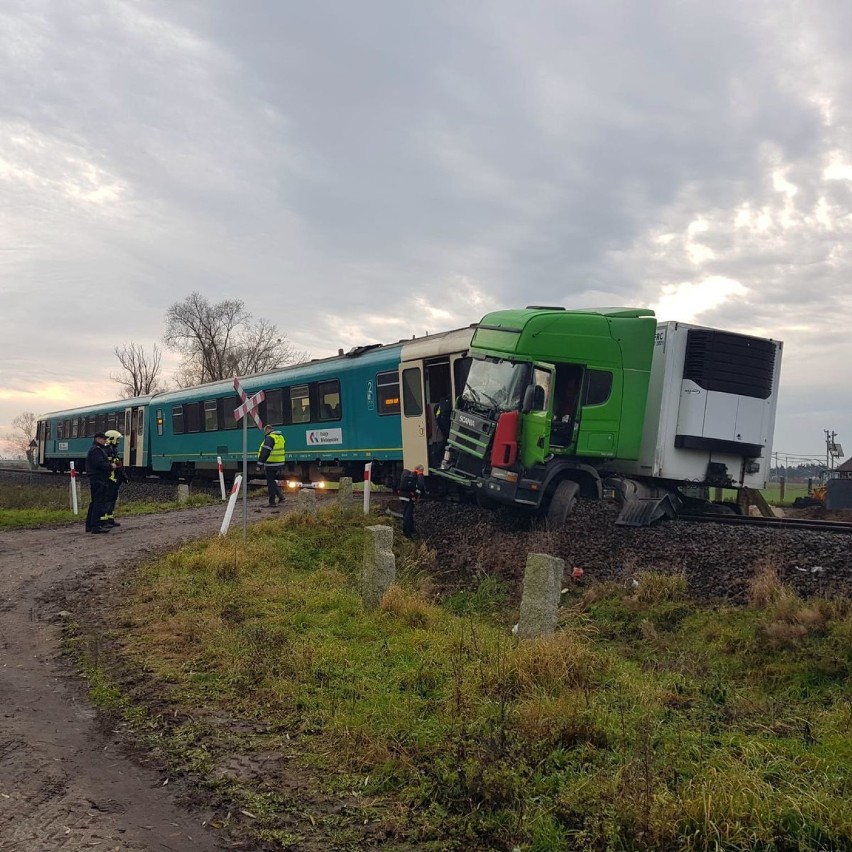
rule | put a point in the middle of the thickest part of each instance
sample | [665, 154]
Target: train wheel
[563, 502]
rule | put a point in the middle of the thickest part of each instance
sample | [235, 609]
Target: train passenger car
[335, 414]
[375, 403]
[65, 436]
[433, 369]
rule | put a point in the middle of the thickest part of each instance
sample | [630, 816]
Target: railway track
[776, 523]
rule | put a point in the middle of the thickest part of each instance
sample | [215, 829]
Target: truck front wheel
[563, 502]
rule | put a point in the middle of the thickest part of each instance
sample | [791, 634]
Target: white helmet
[113, 436]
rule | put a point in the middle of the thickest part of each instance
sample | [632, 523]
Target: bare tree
[221, 340]
[141, 374]
[22, 437]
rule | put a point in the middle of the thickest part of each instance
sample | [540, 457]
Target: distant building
[844, 471]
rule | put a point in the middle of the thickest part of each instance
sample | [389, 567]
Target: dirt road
[64, 783]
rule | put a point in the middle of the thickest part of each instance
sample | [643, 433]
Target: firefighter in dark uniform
[271, 456]
[116, 479]
[411, 486]
[98, 469]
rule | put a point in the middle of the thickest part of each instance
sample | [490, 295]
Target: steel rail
[779, 523]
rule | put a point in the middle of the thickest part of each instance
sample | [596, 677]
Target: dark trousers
[407, 517]
[112, 497]
[272, 486]
[97, 508]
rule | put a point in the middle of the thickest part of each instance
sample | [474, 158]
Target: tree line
[214, 340]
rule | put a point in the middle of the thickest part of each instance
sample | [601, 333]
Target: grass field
[648, 721]
[792, 490]
[27, 506]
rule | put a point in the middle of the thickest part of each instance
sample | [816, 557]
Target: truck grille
[470, 433]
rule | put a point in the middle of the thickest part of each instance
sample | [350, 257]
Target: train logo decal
[313, 437]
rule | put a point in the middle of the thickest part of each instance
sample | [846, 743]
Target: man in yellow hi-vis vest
[271, 457]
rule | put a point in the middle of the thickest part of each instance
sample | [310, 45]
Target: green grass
[792, 490]
[28, 506]
[647, 721]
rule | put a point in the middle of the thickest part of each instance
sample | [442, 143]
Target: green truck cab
[552, 395]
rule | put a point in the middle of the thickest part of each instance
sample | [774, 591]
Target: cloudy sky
[366, 171]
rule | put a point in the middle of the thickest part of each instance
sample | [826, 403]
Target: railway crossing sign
[249, 404]
[241, 412]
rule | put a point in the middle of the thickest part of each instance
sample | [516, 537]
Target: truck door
[535, 424]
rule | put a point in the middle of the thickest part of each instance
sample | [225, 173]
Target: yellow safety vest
[277, 454]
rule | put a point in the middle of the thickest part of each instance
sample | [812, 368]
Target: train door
[134, 437]
[414, 450]
[41, 439]
[427, 387]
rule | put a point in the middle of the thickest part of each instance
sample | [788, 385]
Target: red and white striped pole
[74, 507]
[221, 476]
[368, 469]
[235, 490]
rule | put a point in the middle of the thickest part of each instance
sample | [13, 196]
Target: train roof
[98, 407]
[417, 347]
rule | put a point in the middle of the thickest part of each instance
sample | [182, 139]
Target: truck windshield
[496, 385]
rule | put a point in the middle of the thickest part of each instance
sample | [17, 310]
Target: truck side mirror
[529, 396]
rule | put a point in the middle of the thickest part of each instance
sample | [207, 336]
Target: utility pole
[833, 450]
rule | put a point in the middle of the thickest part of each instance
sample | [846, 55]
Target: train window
[101, 423]
[274, 407]
[229, 404]
[177, 420]
[192, 416]
[412, 392]
[300, 405]
[90, 426]
[159, 421]
[112, 419]
[59, 430]
[75, 426]
[211, 416]
[128, 422]
[387, 389]
[328, 394]
[598, 387]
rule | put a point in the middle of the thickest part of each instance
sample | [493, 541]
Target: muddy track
[65, 783]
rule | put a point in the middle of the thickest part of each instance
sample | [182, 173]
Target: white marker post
[368, 469]
[229, 511]
[221, 476]
[249, 406]
[74, 507]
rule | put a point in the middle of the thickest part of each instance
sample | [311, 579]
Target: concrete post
[306, 501]
[344, 493]
[378, 568]
[183, 493]
[542, 591]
